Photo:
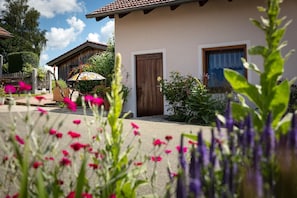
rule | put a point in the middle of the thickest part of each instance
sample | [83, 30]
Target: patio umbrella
[86, 76]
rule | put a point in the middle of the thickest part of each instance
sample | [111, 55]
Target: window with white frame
[215, 60]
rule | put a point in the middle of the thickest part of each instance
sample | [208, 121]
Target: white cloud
[59, 38]
[49, 8]
[107, 30]
[93, 37]
[44, 57]
[2, 5]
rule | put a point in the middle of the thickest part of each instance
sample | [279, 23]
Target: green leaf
[40, 185]
[239, 112]
[250, 66]
[25, 173]
[240, 85]
[190, 136]
[279, 102]
[258, 50]
[284, 125]
[80, 182]
[257, 24]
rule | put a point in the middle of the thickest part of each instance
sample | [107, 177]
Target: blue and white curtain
[218, 61]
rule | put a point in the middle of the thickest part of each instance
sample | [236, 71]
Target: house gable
[75, 57]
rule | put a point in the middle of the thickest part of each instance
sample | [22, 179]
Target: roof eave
[70, 53]
[100, 16]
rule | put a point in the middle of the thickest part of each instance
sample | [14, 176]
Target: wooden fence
[37, 83]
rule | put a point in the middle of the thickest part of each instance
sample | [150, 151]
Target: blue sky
[67, 26]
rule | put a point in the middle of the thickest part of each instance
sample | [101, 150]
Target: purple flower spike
[226, 172]
[293, 133]
[195, 187]
[202, 150]
[181, 189]
[194, 168]
[218, 124]
[249, 134]
[268, 137]
[257, 155]
[228, 117]
[212, 148]
[182, 159]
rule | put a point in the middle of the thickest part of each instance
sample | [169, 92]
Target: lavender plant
[242, 164]
[252, 158]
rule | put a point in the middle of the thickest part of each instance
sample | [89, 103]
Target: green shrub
[18, 60]
[28, 68]
[201, 106]
[86, 87]
[189, 100]
[102, 64]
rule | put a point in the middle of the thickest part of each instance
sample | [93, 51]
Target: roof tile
[121, 5]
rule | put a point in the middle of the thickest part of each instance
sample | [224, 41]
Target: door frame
[133, 74]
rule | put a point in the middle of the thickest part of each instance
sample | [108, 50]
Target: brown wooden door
[149, 97]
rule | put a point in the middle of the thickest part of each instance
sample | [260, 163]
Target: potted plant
[101, 91]
[60, 90]
[2, 95]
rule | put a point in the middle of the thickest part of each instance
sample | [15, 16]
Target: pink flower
[37, 164]
[86, 195]
[134, 126]
[158, 142]
[192, 142]
[156, 158]
[49, 158]
[70, 104]
[97, 101]
[83, 195]
[19, 139]
[24, 86]
[168, 151]
[77, 122]
[93, 166]
[88, 98]
[71, 195]
[168, 137]
[52, 131]
[42, 111]
[136, 133]
[65, 153]
[77, 146]
[138, 163]
[65, 161]
[39, 98]
[9, 89]
[13, 196]
[185, 149]
[59, 135]
[112, 196]
[73, 134]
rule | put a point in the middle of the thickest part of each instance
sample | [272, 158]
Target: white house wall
[181, 34]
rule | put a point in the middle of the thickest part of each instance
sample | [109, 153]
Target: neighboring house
[75, 57]
[196, 37]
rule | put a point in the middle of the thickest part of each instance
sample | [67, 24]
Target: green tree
[103, 63]
[22, 21]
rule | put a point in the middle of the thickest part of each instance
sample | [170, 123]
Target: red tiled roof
[126, 6]
[4, 33]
